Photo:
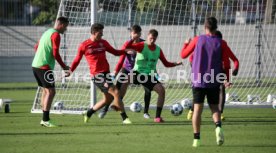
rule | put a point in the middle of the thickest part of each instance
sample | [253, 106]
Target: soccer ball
[176, 109]
[58, 105]
[186, 103]
[135, 107]
[274, 104]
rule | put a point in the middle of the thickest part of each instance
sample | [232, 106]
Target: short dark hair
[63, 20]
[153, 32]
[136, 28]
[96, 27]
[219, 34]
[211, 23]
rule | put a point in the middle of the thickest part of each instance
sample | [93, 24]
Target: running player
[222, 87]
[210, 53]
[94, 49]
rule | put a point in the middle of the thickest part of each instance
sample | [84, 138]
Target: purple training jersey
[207, 62]
[130, 60]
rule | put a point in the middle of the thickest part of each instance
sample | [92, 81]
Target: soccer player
[126, 64]
[147, 56]
[94, 49]
[235, 60]
[47, 51]
[209, 57]
[231, 56]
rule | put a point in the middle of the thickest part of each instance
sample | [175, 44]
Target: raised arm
[78, 58]
[188, 48]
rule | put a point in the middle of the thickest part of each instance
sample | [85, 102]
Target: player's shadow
[249, 122]
[241, 146]
[26, 134]
[172, 123]
[251, 145]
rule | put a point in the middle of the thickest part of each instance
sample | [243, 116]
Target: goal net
[249, 27]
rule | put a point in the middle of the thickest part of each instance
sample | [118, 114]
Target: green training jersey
[146, 61]
[44, 53]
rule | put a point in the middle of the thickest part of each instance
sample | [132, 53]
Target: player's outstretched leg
[87, 114]
[118, 105]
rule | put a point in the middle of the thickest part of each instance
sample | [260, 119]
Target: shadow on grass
[252, 145]
[17, 134]
[141, 123]
[240, 146]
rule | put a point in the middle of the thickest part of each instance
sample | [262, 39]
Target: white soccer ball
[1, 103]
[176, 109]
[186, 103]
[135, 107]
[274, 104]
[58, 105]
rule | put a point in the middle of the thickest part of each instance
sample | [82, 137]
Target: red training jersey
[95, 54]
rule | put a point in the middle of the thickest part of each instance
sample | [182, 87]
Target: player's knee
[114, 91]
[50, 91]
[160, 90]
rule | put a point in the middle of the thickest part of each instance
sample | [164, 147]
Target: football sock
[124, 115]
[46, 116]
[90, 112]
[147, 101]
[196, 135]
[158, 112]
[106, 107]
[218, 124]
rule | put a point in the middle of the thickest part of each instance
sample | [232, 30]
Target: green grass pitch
[246, 131]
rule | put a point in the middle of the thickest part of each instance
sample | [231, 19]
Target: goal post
[241, 22]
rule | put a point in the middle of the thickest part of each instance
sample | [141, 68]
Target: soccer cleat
[127, 121]
[190, 115]
[47, 124]
[85, 117]
[102, 114]
[196, 143]
[147, 116]
[222, 117]
[219, 136]
[158, 120]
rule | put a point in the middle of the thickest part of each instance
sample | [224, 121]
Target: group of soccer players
[137, 64]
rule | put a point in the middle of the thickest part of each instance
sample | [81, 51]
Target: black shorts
[44, 78]
[148, 81]
[122, 78]
[211, 93]
[103, 81]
